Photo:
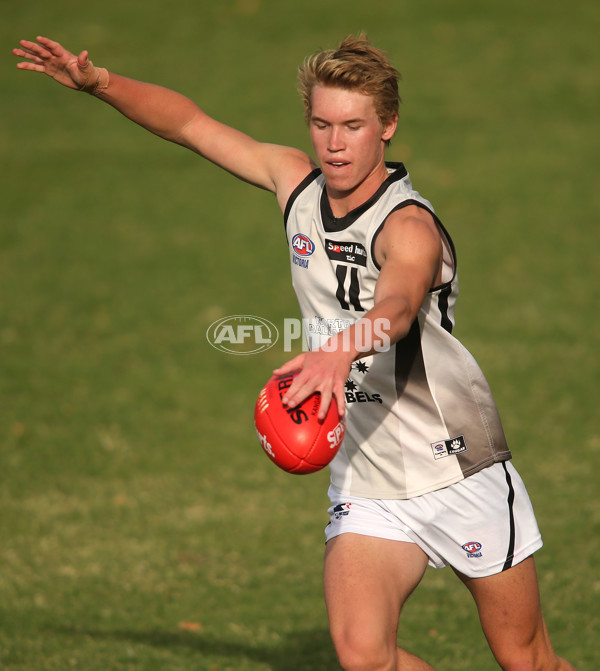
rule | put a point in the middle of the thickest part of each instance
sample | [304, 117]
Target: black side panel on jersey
[409, 364]
[443, 307]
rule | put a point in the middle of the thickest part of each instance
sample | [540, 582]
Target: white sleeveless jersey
[420, 416]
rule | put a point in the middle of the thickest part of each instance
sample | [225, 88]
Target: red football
[294, 438]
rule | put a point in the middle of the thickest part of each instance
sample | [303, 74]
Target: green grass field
[141, 526]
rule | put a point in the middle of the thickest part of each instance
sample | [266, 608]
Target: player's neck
[343, 202]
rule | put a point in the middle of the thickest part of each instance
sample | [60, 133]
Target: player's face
[348, 139]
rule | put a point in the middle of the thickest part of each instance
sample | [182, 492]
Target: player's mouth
[336, 165]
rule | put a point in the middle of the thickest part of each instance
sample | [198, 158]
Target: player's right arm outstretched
[172, 116]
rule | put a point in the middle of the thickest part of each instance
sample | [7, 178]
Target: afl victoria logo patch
[446, 448]
[302, 245]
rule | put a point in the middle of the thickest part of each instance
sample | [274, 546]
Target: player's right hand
[325, 372]
[52, 59]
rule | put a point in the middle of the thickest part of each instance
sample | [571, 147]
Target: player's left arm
[409, 251]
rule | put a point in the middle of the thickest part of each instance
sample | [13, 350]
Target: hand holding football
[294, 438]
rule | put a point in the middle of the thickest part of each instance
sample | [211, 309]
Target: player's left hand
[320, 371]
[51, 58]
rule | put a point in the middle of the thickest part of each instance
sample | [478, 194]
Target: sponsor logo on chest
[347, 252]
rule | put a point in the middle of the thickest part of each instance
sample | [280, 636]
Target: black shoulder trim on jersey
[297, 191]
[334, 224]
[437, 220]
[400, 171]
[446, 288]
[452, 251]
[418, 203]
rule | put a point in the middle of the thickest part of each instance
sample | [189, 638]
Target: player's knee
[358, 653]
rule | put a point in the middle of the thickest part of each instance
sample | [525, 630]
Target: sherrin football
[294, 438]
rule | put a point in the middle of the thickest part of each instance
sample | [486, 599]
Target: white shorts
[481, 525]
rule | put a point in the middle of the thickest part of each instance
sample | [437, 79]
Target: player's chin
[338, 186]
[341, 174]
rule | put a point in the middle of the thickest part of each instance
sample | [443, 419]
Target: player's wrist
[363, 338]
[342, 345]
[96, 79]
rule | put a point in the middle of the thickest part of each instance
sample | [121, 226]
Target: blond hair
[357, 66]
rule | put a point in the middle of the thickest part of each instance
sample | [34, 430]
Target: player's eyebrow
[345, 121]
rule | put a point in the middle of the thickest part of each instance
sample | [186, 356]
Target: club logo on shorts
[341, 510]
[473, 549]
[446, 448]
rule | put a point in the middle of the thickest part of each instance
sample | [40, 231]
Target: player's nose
[335, 140]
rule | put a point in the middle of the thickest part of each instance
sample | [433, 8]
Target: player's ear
[389, 129]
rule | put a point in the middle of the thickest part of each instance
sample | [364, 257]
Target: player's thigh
[510, 612]
[367, 580]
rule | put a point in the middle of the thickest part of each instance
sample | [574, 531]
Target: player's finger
[22, 53]
[82, 59]
[326, 399]
[53, 47]
[32, 49]
[340, 401]
[298, 391]
[34, 67]
[31, 59]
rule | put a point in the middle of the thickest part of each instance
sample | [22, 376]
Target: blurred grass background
[142, 528]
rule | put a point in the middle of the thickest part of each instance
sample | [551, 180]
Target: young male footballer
[424, 475]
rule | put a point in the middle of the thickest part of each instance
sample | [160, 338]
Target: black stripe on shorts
[511, 517]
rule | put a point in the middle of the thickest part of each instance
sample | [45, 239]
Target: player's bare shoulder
[411, 229]
[289, 167]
